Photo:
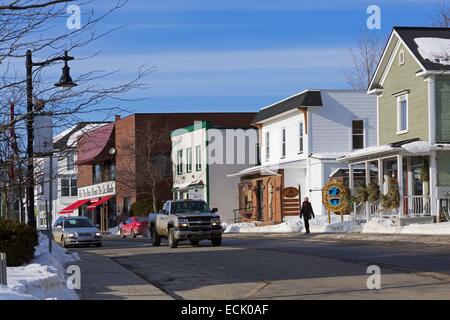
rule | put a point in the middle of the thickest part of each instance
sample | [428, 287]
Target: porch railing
[416, 205]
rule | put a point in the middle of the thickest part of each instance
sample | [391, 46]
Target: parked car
[182, 220]
[72, 231]
[134, 226]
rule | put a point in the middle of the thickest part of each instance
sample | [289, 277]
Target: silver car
[72, 231]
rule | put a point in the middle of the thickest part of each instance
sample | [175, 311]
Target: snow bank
[386, 226]
[43, 278]
[285, 227]
[437, 50]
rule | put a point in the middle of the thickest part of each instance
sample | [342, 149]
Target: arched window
[401, 57]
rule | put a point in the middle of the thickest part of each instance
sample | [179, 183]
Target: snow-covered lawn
[386, 226]
[43, 278]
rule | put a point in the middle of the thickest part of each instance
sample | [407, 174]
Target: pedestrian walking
[307, 213]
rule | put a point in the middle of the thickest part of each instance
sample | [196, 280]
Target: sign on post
[334, 197]
[3, 269]
[43, 135]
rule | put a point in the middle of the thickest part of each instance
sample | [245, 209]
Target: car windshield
[190, 207]
[77, 223]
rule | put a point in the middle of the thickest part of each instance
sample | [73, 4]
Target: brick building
[129, 160]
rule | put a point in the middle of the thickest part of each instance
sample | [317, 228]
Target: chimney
[117, 117]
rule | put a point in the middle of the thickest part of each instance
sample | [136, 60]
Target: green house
[412, 86]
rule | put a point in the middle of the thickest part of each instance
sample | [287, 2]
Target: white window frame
[267, 145]
[363, 134]
[400, 98]
[70, 162]
[401, 58]
[198, 158]
[283, 143]
[188, 160]
[179, 167]
[301, 137]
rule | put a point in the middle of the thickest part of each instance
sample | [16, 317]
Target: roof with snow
[69, 137]
[431, 46]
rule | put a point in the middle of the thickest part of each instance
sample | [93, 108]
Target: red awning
[69, 209]
[95, 204]
[93, 143]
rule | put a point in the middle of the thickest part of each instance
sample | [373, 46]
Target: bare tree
[36, 25]
[365, 54]
[441, 16]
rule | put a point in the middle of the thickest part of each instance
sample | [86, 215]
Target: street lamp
[64, 82]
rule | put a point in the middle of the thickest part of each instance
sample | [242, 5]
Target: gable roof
[408, 36]
[62, 140]
[307, 98]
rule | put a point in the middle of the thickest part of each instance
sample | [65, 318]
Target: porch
[403, 172]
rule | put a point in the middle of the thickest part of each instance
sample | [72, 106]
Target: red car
[134, 226]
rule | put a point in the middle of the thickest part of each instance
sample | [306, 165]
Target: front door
[260, 192]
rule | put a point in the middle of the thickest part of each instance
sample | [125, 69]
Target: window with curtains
[300, 137]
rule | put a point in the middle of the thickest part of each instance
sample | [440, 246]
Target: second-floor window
[357, 134]
[180, 162]
[69, 187]
[198, 158]
[70, 162]
[189, 160]
[283, 143]
[97, 173]
[300, 137]
[267, 141]
[402, 114]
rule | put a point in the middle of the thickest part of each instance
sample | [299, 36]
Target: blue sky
[228, 55]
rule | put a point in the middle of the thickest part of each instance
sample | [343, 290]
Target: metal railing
[3, 269]
[241, 212]
[416, 205]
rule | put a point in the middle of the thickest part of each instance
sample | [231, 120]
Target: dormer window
[401, 58]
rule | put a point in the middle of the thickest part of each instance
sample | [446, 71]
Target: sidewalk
[104, 279]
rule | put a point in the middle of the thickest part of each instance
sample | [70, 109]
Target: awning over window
[93, 143]
[69, 209]
[95, 204]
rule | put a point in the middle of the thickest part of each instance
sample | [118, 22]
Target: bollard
[3, 278]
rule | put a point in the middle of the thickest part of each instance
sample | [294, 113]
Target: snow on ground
[386, 226]
[294, 224]
[43, 278]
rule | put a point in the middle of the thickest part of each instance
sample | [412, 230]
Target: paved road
[281, 267]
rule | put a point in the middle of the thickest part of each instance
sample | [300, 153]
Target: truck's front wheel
[173, 243]
[154, 237]
[216, 242]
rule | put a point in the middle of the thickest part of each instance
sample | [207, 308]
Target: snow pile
[43, 278]
[285, 227]
[386, 226]
[436, 50]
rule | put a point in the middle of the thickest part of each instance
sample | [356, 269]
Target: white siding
[331, 124]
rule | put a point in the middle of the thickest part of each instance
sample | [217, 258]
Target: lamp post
[64, 82]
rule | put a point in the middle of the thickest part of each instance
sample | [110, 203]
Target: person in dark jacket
[307, 213]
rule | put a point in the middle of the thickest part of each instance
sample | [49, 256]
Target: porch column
[380, 176]
[400, 182]
[367, 170]
[351, 180]
[434, 197]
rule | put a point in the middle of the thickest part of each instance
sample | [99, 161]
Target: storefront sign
[334, 196]
[196, 194]
[97, 190]
[290, 192]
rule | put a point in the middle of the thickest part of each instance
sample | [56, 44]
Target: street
[266, 267]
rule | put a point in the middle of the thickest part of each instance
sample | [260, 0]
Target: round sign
[334, 196]
[290, 192]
